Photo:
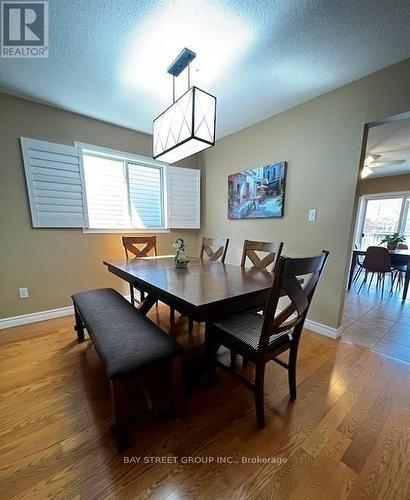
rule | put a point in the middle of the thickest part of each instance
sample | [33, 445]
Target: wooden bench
[129, 345]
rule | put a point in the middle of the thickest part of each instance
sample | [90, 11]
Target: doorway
[371, 318]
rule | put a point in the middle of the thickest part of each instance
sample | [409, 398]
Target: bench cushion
[125, 339]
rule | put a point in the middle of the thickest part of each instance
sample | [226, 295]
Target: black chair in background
[359, 264]
[400, 267]
[261, 339]
[377, 261]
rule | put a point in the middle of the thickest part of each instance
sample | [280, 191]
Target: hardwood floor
[347, 436]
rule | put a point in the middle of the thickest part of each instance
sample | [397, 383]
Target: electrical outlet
[312, 214]
[23, 293]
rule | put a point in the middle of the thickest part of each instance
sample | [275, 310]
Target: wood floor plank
[388, 458]
[364, 439]
[55, 419]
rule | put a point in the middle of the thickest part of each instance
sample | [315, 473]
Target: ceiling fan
[373, 161]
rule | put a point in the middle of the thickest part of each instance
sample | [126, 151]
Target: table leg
[147, 303]
[352, 267]
[406, 282]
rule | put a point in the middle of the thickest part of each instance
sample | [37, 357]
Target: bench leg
[79, 326]
[119, 405]
[176, 385]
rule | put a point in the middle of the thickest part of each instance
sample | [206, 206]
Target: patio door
[380, 215]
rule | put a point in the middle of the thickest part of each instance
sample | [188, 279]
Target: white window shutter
[184, 198]
[145, 196]
[105, 185]
[54, 183]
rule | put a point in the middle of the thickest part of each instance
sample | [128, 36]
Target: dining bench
[130, 345]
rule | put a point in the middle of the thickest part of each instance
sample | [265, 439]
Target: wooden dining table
[400, 257]
[204, 291]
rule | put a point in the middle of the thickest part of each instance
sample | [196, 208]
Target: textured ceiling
[108, 59]
[392, 142]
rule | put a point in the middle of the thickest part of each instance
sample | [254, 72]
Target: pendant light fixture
[188, 125]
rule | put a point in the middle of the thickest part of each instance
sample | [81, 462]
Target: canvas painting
[258, 192]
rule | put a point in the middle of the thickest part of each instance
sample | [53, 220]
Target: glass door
[382, 215]
[405, 230]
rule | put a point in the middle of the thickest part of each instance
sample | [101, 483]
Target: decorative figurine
[180, 259]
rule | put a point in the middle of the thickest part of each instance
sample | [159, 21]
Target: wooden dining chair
[262, 338]
[138, 247]
[214, 248]
[271, 249]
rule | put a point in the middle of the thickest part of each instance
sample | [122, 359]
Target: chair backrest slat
[214, 248]
[297, 280]
[272, 250]
[130, 243]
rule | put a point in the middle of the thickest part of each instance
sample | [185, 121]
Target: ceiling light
[188, 125]
[366, 171]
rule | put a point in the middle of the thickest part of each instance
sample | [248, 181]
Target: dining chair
[262, 338]
[359, 264]
[271, 249]
[400, 268]
[214, 248]
[138, 247]
[377, 261]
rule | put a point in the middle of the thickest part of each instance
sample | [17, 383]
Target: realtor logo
[24, 29]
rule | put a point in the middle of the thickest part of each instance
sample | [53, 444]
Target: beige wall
[384, 184]
[321, 141]
[53, 263]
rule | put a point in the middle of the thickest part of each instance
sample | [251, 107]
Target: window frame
[126, 158]
[404, 195]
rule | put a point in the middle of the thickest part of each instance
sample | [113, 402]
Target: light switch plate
[312, 214]
[23, 293]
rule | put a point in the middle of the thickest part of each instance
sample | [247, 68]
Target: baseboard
[25, 319]
[333, 333]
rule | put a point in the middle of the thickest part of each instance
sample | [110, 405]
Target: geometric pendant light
[188, 125]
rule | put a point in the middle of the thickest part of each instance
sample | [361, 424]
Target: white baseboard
[25, 319]
[333, 333]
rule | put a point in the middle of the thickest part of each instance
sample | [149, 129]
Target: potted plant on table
[393, 240]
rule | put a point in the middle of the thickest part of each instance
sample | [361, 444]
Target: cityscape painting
[258, 192]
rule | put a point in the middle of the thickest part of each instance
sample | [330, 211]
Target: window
[123, 194]
[382, 215]
[100, 189]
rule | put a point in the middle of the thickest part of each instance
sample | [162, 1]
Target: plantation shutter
[184, 198]
[145, 196]
[54, 183]
[106, 189]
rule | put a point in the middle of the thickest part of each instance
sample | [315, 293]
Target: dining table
[205, 291]
[398, 257]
